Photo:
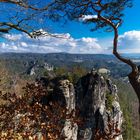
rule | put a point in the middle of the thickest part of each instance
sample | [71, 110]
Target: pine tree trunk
[135, 82]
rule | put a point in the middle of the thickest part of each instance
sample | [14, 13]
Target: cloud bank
[47, 44]
[129, 42]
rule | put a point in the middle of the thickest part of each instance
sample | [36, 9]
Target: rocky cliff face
[97, 102]
[66, 90]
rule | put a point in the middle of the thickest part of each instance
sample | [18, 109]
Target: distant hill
[132, 55]
[20, 62]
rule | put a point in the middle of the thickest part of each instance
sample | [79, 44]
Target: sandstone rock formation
[97, 102]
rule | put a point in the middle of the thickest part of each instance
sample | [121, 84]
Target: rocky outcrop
[34, 67]
[97, 102]
[31, 71]
[68, 91]
[70, 129]
[55, 109]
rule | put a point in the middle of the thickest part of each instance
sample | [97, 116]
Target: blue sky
[131, 21]
[79, 38]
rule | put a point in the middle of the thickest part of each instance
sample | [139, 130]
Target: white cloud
[129, 42]
[23, 44]
[12, 37]
[87, 17]
[47, 44]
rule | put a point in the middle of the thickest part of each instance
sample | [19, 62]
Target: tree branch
[115, 42]
[11, 26]
[26, 5]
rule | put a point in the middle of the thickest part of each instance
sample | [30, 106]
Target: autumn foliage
[29, 117]
[110, 133]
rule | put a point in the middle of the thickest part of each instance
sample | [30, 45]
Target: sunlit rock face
[97, 102]
[68, 91]
[70, 129]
